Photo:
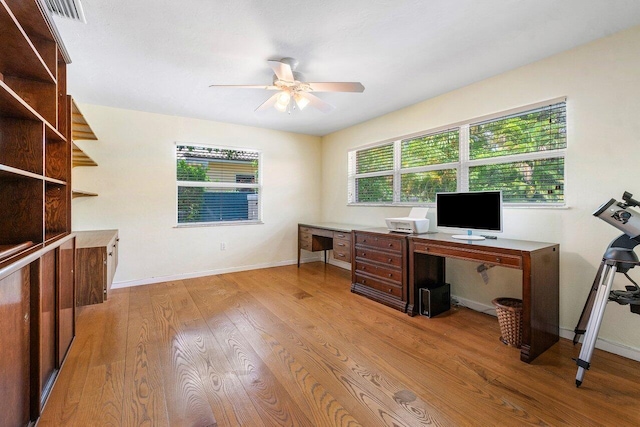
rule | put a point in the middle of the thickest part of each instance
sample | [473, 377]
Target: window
[521, 153]
[217, 185]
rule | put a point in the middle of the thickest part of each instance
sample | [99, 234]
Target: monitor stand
[467, 236]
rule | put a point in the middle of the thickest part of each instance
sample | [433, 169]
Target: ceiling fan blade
[336, 87]
[266, 87]
[268, 103]
[282, 70]
[316, 102]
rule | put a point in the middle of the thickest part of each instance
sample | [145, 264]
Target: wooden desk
[324, 236]
[540, 265]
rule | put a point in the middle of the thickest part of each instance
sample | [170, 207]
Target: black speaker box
[436, 300]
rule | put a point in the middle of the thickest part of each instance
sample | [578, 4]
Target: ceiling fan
[293, 91]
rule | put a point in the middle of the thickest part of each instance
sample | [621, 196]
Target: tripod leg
[593, 327]
[581, 327]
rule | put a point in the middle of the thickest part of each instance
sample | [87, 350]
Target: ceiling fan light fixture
[290, 84]
[301, 101]
[283, 98]
[280, 107]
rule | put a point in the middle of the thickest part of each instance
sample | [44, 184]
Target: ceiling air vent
[71, 9]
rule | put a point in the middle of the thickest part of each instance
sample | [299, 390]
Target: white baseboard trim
[602, 344]
[182, 276]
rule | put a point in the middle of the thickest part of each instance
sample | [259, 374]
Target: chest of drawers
[379, 270]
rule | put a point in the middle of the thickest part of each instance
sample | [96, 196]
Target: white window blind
[521, 153]
[217, 185]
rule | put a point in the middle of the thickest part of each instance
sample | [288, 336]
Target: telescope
[618, 258]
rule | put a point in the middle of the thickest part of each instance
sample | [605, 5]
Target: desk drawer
[341, 235]
[512, 261]
[341, 245]
[342, 248]
[342, 255]
[387, 288]
[305, 241]
[316, 231]
[381, 257]
[385, 243]
[378, 271]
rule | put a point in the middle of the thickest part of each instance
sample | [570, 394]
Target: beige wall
[136, 183]
[601, 81]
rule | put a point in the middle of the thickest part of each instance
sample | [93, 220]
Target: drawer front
[512, 261]
[305, 241]
[379, 285]
[341, 235]
[384, 272]
[305, 237]
[316, 231]
[385, 243]
[342, 254]
[381, 257]
[341, 245]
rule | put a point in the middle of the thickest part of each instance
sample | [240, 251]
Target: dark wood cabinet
[15, 348]
[43, 327]
[379, 271]
[96, 261]
[66, 307]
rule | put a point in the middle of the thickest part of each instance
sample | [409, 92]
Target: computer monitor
[479, 211]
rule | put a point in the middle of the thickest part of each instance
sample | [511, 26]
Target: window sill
[433, 205]
[217, 224]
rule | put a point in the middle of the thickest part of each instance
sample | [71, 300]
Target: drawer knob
[110, 253]
[342, 255]
[364, 254]
[364, 267]
[390, 260]
[390, 275]
[340, 244]
[364, 240]
[390, 245]
[498, 259]
[389, 290]
[364, 281]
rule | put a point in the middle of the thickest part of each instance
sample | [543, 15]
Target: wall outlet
[223, 246]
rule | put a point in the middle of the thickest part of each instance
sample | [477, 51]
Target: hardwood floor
[289, 346]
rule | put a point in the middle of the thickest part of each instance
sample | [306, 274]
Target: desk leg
[540, 302]
[325, 256]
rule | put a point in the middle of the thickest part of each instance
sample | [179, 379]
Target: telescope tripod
[620, 258]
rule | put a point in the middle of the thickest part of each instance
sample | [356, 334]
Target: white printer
[416, 222]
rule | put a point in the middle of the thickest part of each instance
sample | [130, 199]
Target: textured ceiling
[161, 56]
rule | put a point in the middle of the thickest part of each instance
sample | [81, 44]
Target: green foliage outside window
[532, 181]
[375, 159]
[430, 150]
[528, 178]
[421, 187]
[190, 199]
[533, 131]
[375, 189]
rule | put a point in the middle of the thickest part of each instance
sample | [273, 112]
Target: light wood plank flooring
[287, 346]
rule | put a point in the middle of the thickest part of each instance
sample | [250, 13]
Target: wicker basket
[509, 312]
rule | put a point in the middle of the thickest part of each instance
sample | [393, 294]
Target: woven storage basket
[509, 312]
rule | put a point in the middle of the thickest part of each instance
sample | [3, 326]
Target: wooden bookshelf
[37, 259]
